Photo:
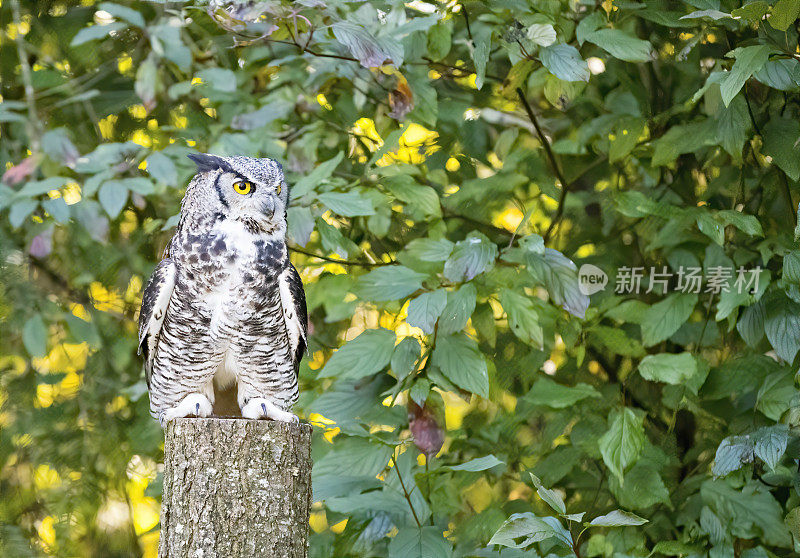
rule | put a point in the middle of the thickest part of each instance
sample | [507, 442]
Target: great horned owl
[226, 306]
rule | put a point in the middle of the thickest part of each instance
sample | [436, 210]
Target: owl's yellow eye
[278, 189]
[243, 187]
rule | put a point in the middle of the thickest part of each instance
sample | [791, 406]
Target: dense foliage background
[449, 161]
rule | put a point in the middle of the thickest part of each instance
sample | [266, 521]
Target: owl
[225, 307]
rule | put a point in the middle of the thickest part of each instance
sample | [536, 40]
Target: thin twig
[34, 124]
[405, 492]
[334, 260]
[314, 52]
[553, 163]
[466, 20]
[750, 110]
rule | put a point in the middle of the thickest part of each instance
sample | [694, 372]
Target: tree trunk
[235, 488]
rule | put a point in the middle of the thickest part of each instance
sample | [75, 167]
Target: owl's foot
[193, 405]
[260, 408]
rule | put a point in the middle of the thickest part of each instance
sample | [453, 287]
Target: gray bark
[235, 488]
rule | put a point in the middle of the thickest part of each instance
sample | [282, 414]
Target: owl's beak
[268, 207]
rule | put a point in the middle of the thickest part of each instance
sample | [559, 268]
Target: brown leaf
[21, 171]
[428, 435]
[42, 244]
[401, 99]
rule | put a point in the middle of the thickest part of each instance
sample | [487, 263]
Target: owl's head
[244, 188]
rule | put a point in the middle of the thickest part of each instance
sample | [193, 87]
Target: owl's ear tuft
[206, 162]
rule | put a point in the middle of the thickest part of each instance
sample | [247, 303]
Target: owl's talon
[261, 408]
[194, 404]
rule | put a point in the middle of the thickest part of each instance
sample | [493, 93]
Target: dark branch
[551, 157]
[334, 260]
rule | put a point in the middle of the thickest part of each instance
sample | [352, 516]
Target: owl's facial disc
[247, 198]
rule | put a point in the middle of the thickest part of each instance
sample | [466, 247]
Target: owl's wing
[155, 300]
[293, 300]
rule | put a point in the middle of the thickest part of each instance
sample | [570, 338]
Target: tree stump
[235, 488]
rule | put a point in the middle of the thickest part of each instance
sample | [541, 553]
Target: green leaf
[350, 204]
[82, 330]
[128, 14]
[749, 60]
[668, 368]
[552, 394]
[784, 13]
[58, 209]
[470, 257]
[424, 310]
[333, 240]
[782, 326]
[752, 12]
[560, 277]
[791, 266]
[626, 136]
[161, 168]
[480, 52]
[20, 210]
[346, 405]
[112, 196]
[39, 187]
[390, 282]
[147, 84]
[404, 357]
[775, 395]
[523, 318]
[221, 79]
[525, 527]
[675, 548]
[617, 341]
[34, 336]
[424, 198]
[96, 32]
[622, 444]
[621, 45]
[751, 324]
[710, 226]
[439, 40]
[429, 250]
[543, 34]
[551, 497]
[684, 138]
[300, 224]
[369, 50]
[461, 362]
[782, 74]
[748, 224]
[664, 318]
[460, 306]
[643, 487]
[423, 542]
[733, 124]
[749, 509]
[367, 354]
[782, 143]
[715, 15]
[771, 443]
[58, 146]
[732, 454]
[317, 176]
[617, 518]
[565, 62]
[478, 464]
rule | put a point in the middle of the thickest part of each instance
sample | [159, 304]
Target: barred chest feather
[232, 275]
